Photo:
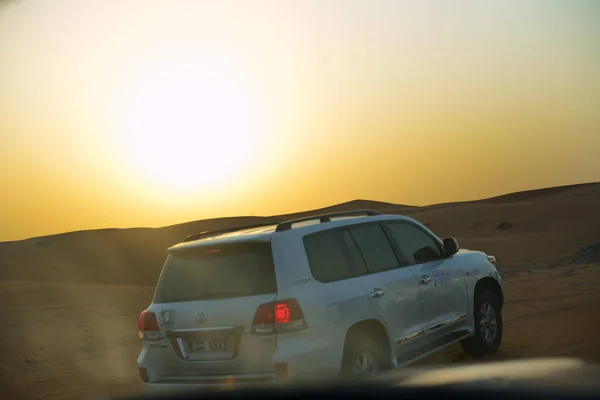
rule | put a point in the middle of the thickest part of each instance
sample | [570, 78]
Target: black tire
[478, 346]
[358, 344]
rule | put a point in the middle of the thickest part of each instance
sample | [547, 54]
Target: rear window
[217, 272]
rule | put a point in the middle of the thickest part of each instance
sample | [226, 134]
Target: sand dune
[73, 340]
[524, 230]
[70, 302]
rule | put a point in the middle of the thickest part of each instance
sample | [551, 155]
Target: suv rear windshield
[217, 272]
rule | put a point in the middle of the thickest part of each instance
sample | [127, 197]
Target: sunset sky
[150, 113]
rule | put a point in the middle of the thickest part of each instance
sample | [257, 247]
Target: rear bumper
[306, 358]
[310, 358]
[160, 388]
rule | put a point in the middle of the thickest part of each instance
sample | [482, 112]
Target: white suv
[327, 296]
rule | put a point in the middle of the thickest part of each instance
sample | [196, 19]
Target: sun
[190, 128]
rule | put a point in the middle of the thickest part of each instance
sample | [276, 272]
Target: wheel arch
[489, 283]
[374, 328]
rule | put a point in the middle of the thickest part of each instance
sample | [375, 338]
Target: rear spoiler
[202, 235]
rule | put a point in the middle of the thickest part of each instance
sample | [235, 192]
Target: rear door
[442, 285]
[390, 285]
[205, 303]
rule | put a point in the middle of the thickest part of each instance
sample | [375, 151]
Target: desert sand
[70, 302]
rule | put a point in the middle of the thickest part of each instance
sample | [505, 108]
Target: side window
[418, 246]
[374, 247]
[329, 256]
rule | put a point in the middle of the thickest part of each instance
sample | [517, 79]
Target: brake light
[148, 326]
[283, 314]
[278, 317]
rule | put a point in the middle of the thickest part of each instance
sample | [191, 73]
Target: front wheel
[488, 326]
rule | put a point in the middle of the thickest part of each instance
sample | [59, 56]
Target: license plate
[209, 345]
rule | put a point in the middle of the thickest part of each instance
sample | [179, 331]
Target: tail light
[148, 326]
[278, 317]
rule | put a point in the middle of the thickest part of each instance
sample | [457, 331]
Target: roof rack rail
[287, 225]
[201, 235]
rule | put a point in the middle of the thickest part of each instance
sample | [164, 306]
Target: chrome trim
[167, 318]
[214, 328]
[182, 348]
[226, 380]
[409, 337]
[270, 329]
[447, 322]
[399, 364]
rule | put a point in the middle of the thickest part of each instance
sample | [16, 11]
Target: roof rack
[287, 225]
[282, 226]
[201, 235]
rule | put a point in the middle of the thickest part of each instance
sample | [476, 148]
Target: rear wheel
[364, 357]
[488, 325]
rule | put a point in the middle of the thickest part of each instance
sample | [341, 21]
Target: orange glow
[116, 114]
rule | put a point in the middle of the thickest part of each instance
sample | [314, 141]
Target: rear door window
[217, 272]
[416, 244]
[330, 258]
[374, 247]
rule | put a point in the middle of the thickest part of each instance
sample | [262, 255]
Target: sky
[151, 113]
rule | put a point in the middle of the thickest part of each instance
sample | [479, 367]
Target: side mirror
[450, 247]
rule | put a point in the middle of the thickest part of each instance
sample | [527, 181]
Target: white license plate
[209, 345]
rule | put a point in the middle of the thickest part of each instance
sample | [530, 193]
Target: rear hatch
[205, 304]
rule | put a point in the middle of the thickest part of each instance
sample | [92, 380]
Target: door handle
[425, 279]
[377, 292]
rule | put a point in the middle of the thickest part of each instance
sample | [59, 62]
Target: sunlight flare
[190, 128]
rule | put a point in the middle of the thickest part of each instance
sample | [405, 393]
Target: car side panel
[330, 309]
[399, 306]
[444, 297]
[475, 263]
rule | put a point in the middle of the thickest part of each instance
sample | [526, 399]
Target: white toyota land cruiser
[327, 296]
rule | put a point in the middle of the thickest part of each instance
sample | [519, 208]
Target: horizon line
[305, 211]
